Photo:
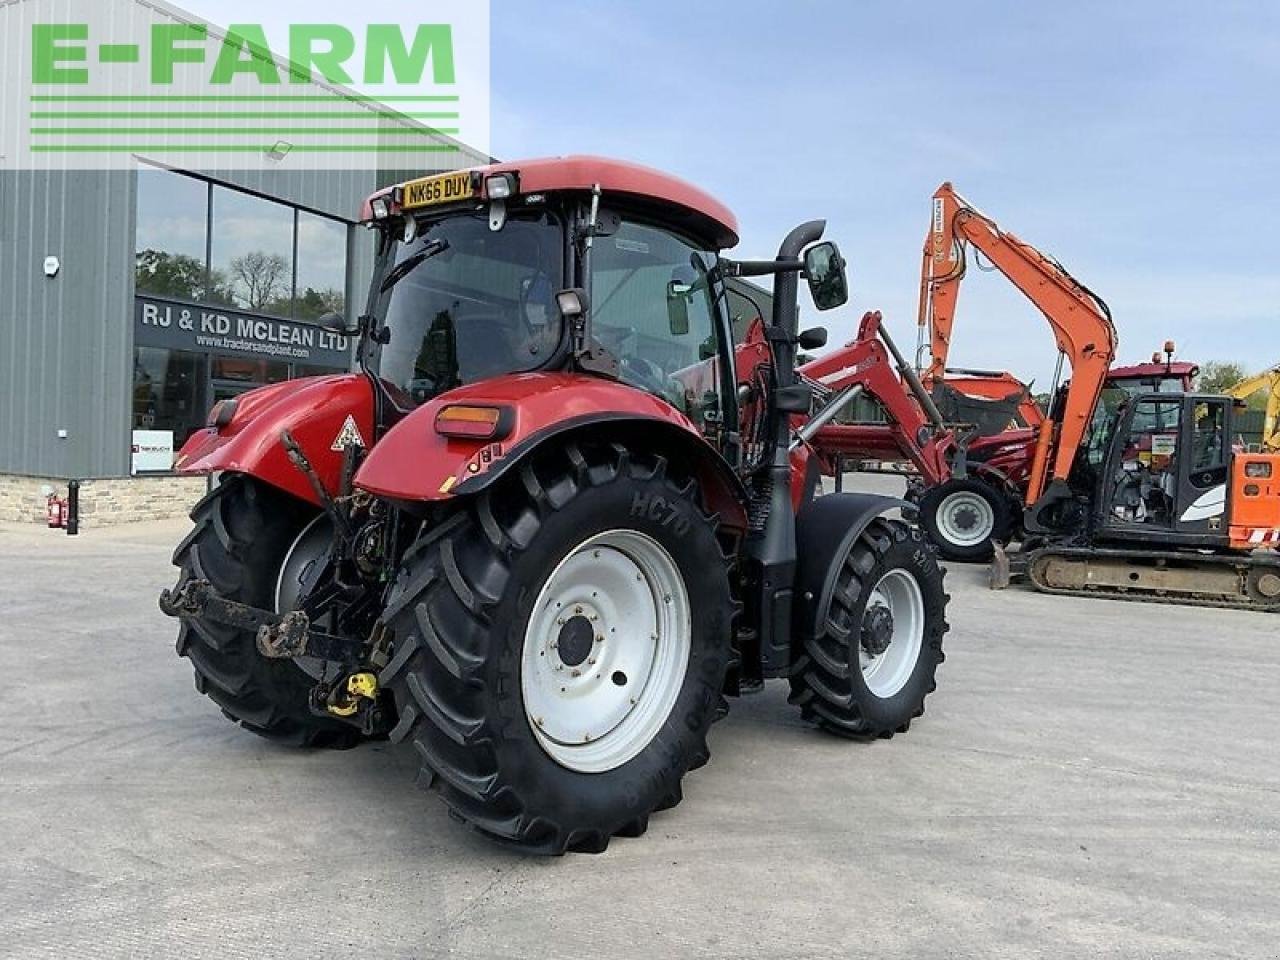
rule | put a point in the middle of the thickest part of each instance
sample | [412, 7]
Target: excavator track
[1247, 582]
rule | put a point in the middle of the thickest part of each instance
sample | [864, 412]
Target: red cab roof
[707, 216]
[1148, 371]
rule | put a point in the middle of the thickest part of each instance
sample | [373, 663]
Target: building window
[173, 230]
[169, 391]
[322, 267]
[251, 261]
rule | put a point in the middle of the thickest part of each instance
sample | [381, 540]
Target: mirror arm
[759, 268]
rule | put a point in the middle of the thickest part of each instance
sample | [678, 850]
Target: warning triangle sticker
[348, 436]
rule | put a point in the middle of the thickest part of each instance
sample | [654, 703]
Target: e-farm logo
[141, 81]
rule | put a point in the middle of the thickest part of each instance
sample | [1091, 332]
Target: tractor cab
[549, 266]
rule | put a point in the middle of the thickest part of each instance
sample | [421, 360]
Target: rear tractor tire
[243, 532]
[561, 645]
[867, 672]
[966, 518]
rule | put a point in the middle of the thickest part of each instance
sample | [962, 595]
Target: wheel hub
[575, 641]
[877, 630]
[892, 634]
[965, 518]
[606, 650]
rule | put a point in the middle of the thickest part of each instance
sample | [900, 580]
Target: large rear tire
[561, 647]
[966, 518]
[867, 672]
[243, 531]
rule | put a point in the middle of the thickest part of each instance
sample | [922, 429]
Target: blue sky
[1134, 141]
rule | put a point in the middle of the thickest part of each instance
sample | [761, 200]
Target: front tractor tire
[866, 671]
[966, 518]
[243, 532]
[561, 645]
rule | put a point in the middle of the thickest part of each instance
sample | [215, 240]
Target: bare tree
[263, 278]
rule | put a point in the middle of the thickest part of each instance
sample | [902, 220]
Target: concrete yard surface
[1091, 779]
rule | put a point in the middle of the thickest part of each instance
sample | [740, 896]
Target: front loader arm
[866, 362]
[1081, 323]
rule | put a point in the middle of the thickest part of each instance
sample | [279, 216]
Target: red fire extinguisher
[56, 512]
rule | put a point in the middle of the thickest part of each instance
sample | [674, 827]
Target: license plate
[440, 189]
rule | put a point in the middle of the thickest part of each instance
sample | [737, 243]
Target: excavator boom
[1080, 321]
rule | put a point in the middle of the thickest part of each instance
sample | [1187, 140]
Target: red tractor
[544, 529]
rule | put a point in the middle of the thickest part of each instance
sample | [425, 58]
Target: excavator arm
[1268, 380]
[1080, 321]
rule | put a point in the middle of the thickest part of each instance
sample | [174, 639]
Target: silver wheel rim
[887, 672]
[966, 519]
[606, 651]
[309, 547]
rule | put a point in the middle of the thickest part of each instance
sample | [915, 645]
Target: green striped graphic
[236, 98]
[236, 115]
[244, 148]
[236, 131]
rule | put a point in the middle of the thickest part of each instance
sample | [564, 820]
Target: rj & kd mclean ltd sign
[198, 328]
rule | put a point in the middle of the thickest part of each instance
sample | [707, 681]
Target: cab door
[1140, 475]
[658, 307]
[1204, 466]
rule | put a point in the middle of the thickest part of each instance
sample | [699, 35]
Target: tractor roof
[699, 212]
[1147, 371]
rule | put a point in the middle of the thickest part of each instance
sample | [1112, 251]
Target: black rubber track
[242, 530]
[826, 681]
[458, 614]
[1003, 511]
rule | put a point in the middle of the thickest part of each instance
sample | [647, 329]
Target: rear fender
[826, 531]
[315, 410]
[415, 464]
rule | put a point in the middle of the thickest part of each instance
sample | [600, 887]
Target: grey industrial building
[131, 300]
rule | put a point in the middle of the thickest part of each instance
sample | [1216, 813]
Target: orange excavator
[1000, 452]
[965, 514]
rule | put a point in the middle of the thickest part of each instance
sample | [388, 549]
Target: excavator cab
[1166, 472]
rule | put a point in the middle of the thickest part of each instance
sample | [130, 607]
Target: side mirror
[825, 270]
[678, 307]
[812, 339]
[335, 322]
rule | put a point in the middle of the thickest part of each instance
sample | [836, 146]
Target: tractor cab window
[1098, 438]
[478, 303]
[653, 308]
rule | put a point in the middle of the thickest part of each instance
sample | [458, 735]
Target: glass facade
[207, 243]
[228, 285]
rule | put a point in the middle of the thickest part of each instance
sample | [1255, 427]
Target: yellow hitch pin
[358, 685]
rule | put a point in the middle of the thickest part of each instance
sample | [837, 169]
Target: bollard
[73, 508]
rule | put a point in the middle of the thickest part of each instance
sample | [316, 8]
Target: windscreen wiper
[407, 267]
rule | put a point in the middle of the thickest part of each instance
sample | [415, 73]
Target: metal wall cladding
[66, 343]
[65, 348]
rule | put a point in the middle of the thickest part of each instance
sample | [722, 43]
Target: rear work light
[500, 186]
[475, 422]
